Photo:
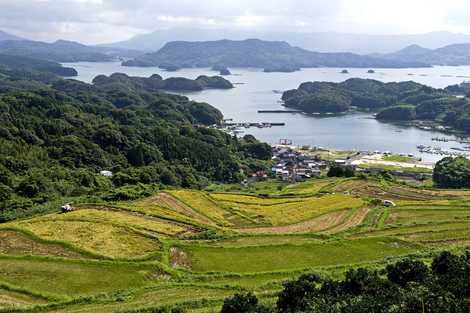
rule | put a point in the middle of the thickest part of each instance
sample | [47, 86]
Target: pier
[255, 124]
[279, 111]
[440, 151]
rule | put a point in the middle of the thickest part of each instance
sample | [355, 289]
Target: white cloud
[110, 20]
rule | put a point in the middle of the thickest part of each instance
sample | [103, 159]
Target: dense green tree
[57, 137]
[408, 287]
[5, 193]
[296, 295]
[406, 271]
[452, 173]
[398, 113]
[341, 171]
[243, 303]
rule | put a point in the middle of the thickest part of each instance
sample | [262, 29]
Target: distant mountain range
[317, 41]
[61, 50]
[437, 48]
[453, 55]
[270, 55]
[7, 36]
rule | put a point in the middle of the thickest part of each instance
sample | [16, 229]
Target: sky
[101, 21]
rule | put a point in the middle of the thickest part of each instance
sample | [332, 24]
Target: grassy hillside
[195, 248]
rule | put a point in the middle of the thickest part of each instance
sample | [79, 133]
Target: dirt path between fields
[179, 258]
[356, 219]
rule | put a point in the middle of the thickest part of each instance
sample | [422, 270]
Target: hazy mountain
[254, 53]
[63, 51]
[59, 51]
[455, 54]
[322, 42]
[410, 51]
[20, 64]
[7, 36]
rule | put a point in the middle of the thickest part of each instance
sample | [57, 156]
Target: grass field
[396, 168]
[397, 158]
[196, 247]
[69, 279]
[273, 258]
[13, 299]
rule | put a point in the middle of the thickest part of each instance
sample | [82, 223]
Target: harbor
[236, 128]
[453, 152]
[279, 111]
[252, 124]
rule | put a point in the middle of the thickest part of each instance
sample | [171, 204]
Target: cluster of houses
[295, 166]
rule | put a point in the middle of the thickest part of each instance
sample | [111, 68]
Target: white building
[106, 173]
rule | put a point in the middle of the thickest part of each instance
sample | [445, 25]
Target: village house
[295, 166]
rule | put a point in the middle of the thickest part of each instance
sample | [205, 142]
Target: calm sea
[257, 90]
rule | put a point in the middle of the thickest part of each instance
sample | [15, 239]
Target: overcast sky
[98, 21]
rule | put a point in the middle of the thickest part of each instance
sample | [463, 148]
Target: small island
[370, 72]
[225, 72]
[156, 82]
[282, 69]
[169, 68]
[222, 69]
[395, 101]
[344, 72]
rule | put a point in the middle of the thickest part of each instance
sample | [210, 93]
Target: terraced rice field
[13, 299]
[196, 247]
[273, 258]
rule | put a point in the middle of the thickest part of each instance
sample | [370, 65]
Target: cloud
[95, 21]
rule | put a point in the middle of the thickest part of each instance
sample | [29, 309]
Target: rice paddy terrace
[197, 247]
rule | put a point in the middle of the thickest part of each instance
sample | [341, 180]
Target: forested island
[156, 82]
[273, 56]
[31, 68]
[402, 101]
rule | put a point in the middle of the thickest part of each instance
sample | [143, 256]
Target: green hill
[56, 138]
[270, 55]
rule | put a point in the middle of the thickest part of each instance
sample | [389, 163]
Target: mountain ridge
[7, 36]
[316, 41]
[255, 53]
[63, 51]
[451, 55]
